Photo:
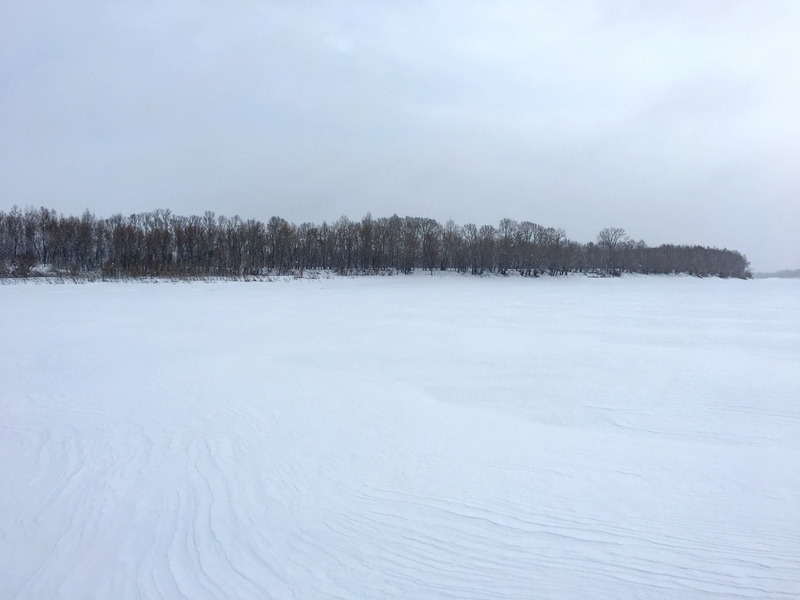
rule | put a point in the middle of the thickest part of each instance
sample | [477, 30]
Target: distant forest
[162, 244]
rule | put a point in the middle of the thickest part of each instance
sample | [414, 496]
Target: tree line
[163, 244]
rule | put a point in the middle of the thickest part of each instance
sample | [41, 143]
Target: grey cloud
[676, 121]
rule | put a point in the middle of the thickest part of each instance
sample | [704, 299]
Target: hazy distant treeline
[160, 243]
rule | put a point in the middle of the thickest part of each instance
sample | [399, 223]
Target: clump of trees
[162, 244]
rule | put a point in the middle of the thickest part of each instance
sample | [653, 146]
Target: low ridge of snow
[401, 437]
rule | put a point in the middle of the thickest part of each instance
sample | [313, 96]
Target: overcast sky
[678, 121]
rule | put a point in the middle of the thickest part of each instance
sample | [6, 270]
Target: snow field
[403, 437]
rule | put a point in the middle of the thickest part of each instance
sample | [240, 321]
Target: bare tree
[611, 240]
[506, 233]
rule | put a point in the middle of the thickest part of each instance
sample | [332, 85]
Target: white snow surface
[401, 437]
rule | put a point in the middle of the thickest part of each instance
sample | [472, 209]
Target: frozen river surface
[401, 437]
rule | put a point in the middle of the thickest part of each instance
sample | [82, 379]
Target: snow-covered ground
[401, 437]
